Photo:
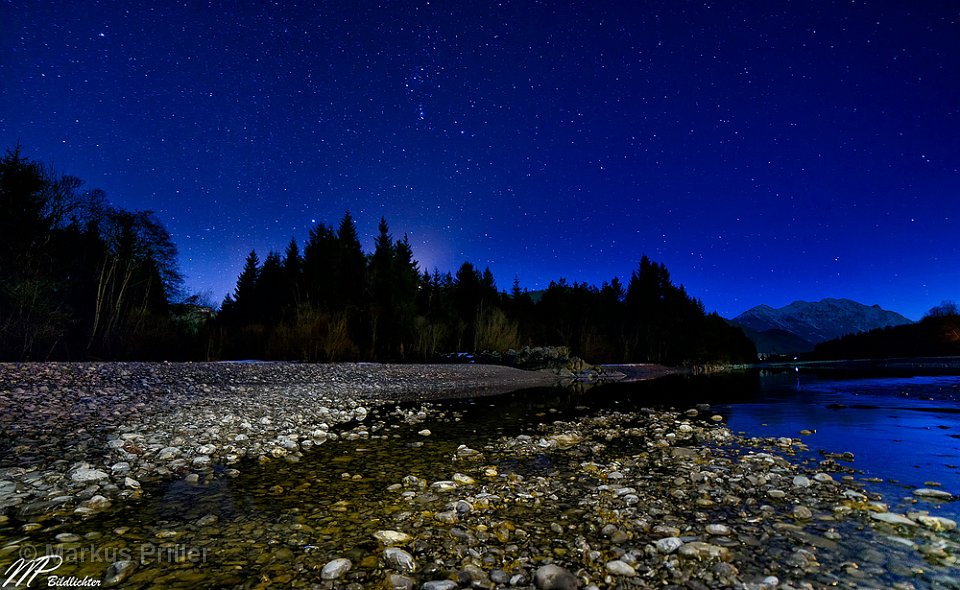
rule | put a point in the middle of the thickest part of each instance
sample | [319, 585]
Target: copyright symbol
[28, 552]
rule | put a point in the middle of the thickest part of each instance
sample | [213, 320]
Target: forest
[936, 334]
[84, 280]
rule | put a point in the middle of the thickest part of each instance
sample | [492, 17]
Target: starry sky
[765, 151]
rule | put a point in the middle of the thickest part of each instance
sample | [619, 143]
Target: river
[280, 522]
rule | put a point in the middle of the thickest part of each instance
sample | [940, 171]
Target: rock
[463, 480]
[88, 475]
[168, 454]
[892, 518]
[934, 494]
[566, 440]
[443, 486]
[335, 568]
[719, 530]
[395, 582]
[97, 502]
[936, 523]
[389, 538]
[554, 577]
[802, 513]
[399, 560]
[668, 544]
[699, 550]
[620, 568]
[447, 517]
[801, 481]
[439, 585]
[425, 432]
[118, 572]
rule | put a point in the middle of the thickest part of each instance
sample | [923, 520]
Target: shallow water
[283, 518]
[904, 430]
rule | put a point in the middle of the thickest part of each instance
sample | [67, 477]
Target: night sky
[765, 151]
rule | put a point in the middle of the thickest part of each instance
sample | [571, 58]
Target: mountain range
[799, 326]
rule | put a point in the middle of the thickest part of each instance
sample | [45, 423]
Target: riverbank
[315, 476]
[77, 436]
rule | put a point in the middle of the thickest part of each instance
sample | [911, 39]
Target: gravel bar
[67, 428]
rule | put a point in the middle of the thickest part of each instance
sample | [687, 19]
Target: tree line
[331, 302]
[936, 334]
[78, 277]
[82, 279]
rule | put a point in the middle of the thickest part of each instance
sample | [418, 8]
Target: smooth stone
[443, 486]
[463, 480]
[392, 537]
[118, 572]
[892, 518]
[929, 493]
[700, 550]
[668, 544]
[802, 513]
[399, 559]
[88, 475]
[396, 582]
[97, 503]
[620, 568]
[425, 432]
[554, 577]
[937, 523]
[720, 530]
[439, 585]
[335, 568]
[168, 454]
[801, 481]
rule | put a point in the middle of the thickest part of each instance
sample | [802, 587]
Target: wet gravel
[313, 476]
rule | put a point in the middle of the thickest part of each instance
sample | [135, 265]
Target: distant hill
[798, 327]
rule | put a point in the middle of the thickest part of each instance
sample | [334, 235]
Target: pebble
[118, 572]
[399, 560]
[720, 530]
[892, 518]
[335, 568]
[936, 523]
[668, 544]
[620, 568]
[603, 495]
[699, 550]
[554, 577]
[390, 538]
[934, 494]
